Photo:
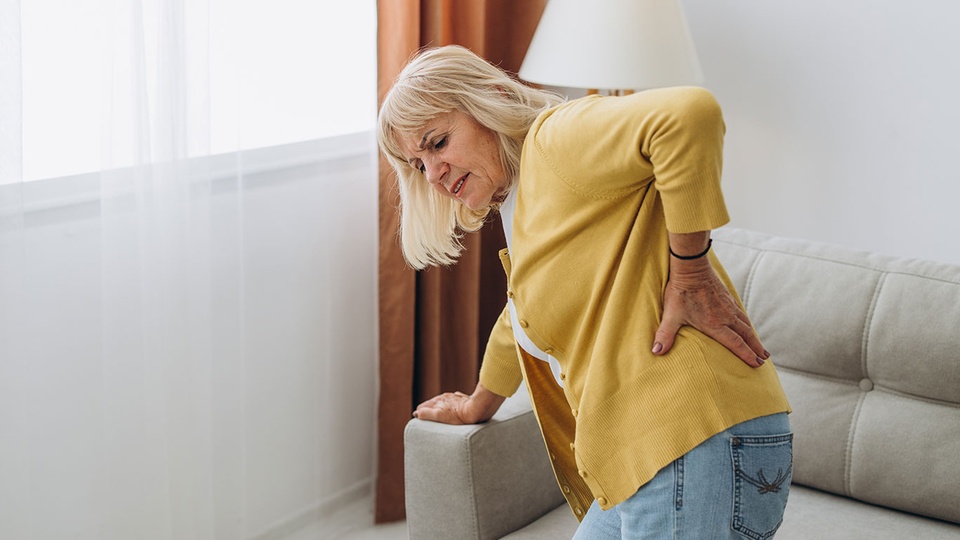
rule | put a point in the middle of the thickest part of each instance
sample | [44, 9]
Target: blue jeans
[733, 486]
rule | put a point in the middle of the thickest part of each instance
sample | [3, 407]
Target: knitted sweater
[602, 180]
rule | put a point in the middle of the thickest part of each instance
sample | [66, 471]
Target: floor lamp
[615, 45]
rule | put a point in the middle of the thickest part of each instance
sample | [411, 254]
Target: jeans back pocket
[763, 469]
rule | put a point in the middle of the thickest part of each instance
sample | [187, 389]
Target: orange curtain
[434, 324]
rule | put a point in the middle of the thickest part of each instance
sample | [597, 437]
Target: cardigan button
[571, 447]
[574, 412]
[582, 473]
[524, 323]
[566, 488]
[509, 294]
[548, 350]
[602, 501]
[578, 511]
[563, 376]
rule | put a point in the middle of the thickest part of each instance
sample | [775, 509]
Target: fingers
[733, 340]
[749, 336]
[666, 335]
[433, 402]
[435, 414]
[442, 408]
[731, 329]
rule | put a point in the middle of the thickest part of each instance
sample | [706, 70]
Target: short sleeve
[604, 146]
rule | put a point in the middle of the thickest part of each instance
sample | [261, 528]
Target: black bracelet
[692, 257]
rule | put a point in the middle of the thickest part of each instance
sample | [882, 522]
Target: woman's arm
[695, 296]
[459, 408]
[499, 375]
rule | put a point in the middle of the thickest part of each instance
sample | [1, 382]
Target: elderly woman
[659, 413]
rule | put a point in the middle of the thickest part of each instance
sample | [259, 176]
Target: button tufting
[866, 385]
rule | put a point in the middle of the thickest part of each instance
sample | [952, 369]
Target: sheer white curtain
[180, 334]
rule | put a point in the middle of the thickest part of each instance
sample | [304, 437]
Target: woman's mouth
[459, 185]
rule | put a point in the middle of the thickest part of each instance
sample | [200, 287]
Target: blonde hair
[437, 81]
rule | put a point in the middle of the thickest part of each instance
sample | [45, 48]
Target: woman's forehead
[418, 138]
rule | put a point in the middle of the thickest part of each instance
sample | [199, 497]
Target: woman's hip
[733, 485]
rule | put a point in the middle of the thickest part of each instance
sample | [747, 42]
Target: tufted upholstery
[868, 350]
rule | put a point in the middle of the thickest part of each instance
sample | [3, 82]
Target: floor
[353, 522]
[388, 531]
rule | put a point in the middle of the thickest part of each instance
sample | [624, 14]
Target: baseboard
[347, 510]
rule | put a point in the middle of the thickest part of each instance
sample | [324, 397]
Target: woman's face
[460, 159]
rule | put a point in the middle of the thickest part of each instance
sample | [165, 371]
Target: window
[279, 72]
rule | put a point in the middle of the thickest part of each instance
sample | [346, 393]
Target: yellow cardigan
[602, 180]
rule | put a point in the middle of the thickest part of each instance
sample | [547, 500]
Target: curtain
[434, 324]
[180, 333]
[107, 368]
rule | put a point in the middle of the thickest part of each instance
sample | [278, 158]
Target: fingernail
[657, 347]
[766, 354]
[760, 360]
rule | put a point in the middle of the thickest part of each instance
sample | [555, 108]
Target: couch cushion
[559, 523]
[811, 514]
[814, 514]
[868, 349]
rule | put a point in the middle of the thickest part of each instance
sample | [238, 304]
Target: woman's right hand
[695, 296]
[459, 408]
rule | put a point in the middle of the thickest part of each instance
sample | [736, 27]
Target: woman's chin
[472, 204]
[479, 201]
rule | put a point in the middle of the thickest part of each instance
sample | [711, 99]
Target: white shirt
[506, 217]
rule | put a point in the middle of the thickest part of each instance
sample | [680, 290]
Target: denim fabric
[733, 486]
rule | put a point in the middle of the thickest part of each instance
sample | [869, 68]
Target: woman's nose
[434, 170]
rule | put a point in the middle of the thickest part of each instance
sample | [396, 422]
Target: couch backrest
[868, 350]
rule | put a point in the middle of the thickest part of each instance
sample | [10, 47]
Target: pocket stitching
[738, 473]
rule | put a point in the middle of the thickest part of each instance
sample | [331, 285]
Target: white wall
[842, 118]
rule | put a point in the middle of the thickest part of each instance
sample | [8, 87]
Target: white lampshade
[612, 44]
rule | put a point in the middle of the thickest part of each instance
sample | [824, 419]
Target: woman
[659, 413]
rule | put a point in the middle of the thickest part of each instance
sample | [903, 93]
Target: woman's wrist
[692, 257]
[689, 246]
[688, 253]
[483, 404]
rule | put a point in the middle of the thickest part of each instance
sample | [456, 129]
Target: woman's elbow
[699, 107]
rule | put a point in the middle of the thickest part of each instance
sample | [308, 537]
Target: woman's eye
[440, 144]
[422, 168]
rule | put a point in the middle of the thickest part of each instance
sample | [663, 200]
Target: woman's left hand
[695, 296]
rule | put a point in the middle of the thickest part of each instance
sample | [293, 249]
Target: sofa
[868, 351]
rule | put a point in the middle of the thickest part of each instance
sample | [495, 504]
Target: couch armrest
[480, 481]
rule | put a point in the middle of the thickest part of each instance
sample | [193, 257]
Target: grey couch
[868, 349]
